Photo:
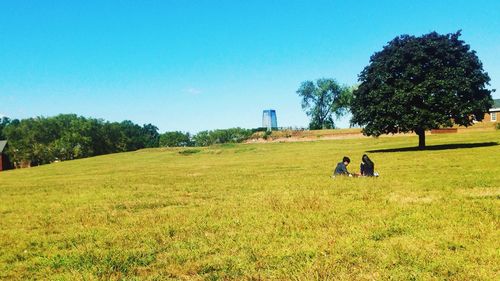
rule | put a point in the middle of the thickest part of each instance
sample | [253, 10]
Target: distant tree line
[42, 140]
[205, 138]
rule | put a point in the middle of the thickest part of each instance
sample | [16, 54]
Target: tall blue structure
[269, 120]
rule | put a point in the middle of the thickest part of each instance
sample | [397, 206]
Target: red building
[4, 159]
[494, 113]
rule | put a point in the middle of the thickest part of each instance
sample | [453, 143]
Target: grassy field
[259, 211]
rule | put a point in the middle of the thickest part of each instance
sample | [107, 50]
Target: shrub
[267, 135]
[233, 135]
[259, 129]
[189, 151]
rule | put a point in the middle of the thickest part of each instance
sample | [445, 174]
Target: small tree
[419, 83]
[322, 100]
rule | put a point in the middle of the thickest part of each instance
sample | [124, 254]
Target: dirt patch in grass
[409, 198]
[480, 193]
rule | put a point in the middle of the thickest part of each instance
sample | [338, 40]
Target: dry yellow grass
[259, 211]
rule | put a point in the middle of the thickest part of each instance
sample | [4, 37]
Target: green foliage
[267, 134]
[175, 139]
[189, 151]
[322, 100]
[233, 135]
[151, 135]
[420, 83]
[4, 121]
[259, 129]
[259, 212]
[498, 126]
[132, 136]
[43, 140]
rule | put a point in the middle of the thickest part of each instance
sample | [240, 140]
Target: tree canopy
[4, 121]
[231, 135]
[421, 83]
[175, 139]
[42, 140]
[323, 99]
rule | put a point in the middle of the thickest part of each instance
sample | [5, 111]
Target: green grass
[259, 211]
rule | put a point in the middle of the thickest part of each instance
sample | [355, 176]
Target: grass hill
[259, 211]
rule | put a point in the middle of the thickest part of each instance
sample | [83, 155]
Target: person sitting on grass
[367, 166]
[341, 169]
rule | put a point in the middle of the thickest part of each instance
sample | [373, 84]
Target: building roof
[3, 143]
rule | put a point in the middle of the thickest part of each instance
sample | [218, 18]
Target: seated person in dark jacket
[341, 169]
[367, 166]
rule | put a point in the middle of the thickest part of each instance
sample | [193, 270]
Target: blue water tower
[269, 120]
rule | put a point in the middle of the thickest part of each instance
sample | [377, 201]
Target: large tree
[322, 100]
[420, 83]
[151, 135]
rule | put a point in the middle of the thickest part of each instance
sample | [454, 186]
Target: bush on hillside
[233, 135]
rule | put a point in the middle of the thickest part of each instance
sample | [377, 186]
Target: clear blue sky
[195, 65]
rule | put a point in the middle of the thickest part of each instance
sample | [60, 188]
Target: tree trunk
[421, 138]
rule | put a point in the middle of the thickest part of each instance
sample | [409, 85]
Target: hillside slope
[261, 211]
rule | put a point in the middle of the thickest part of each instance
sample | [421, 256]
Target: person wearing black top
[367, 166]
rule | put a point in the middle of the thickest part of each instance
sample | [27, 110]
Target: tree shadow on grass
[436, 147]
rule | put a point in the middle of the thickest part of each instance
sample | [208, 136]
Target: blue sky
[195, 65]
